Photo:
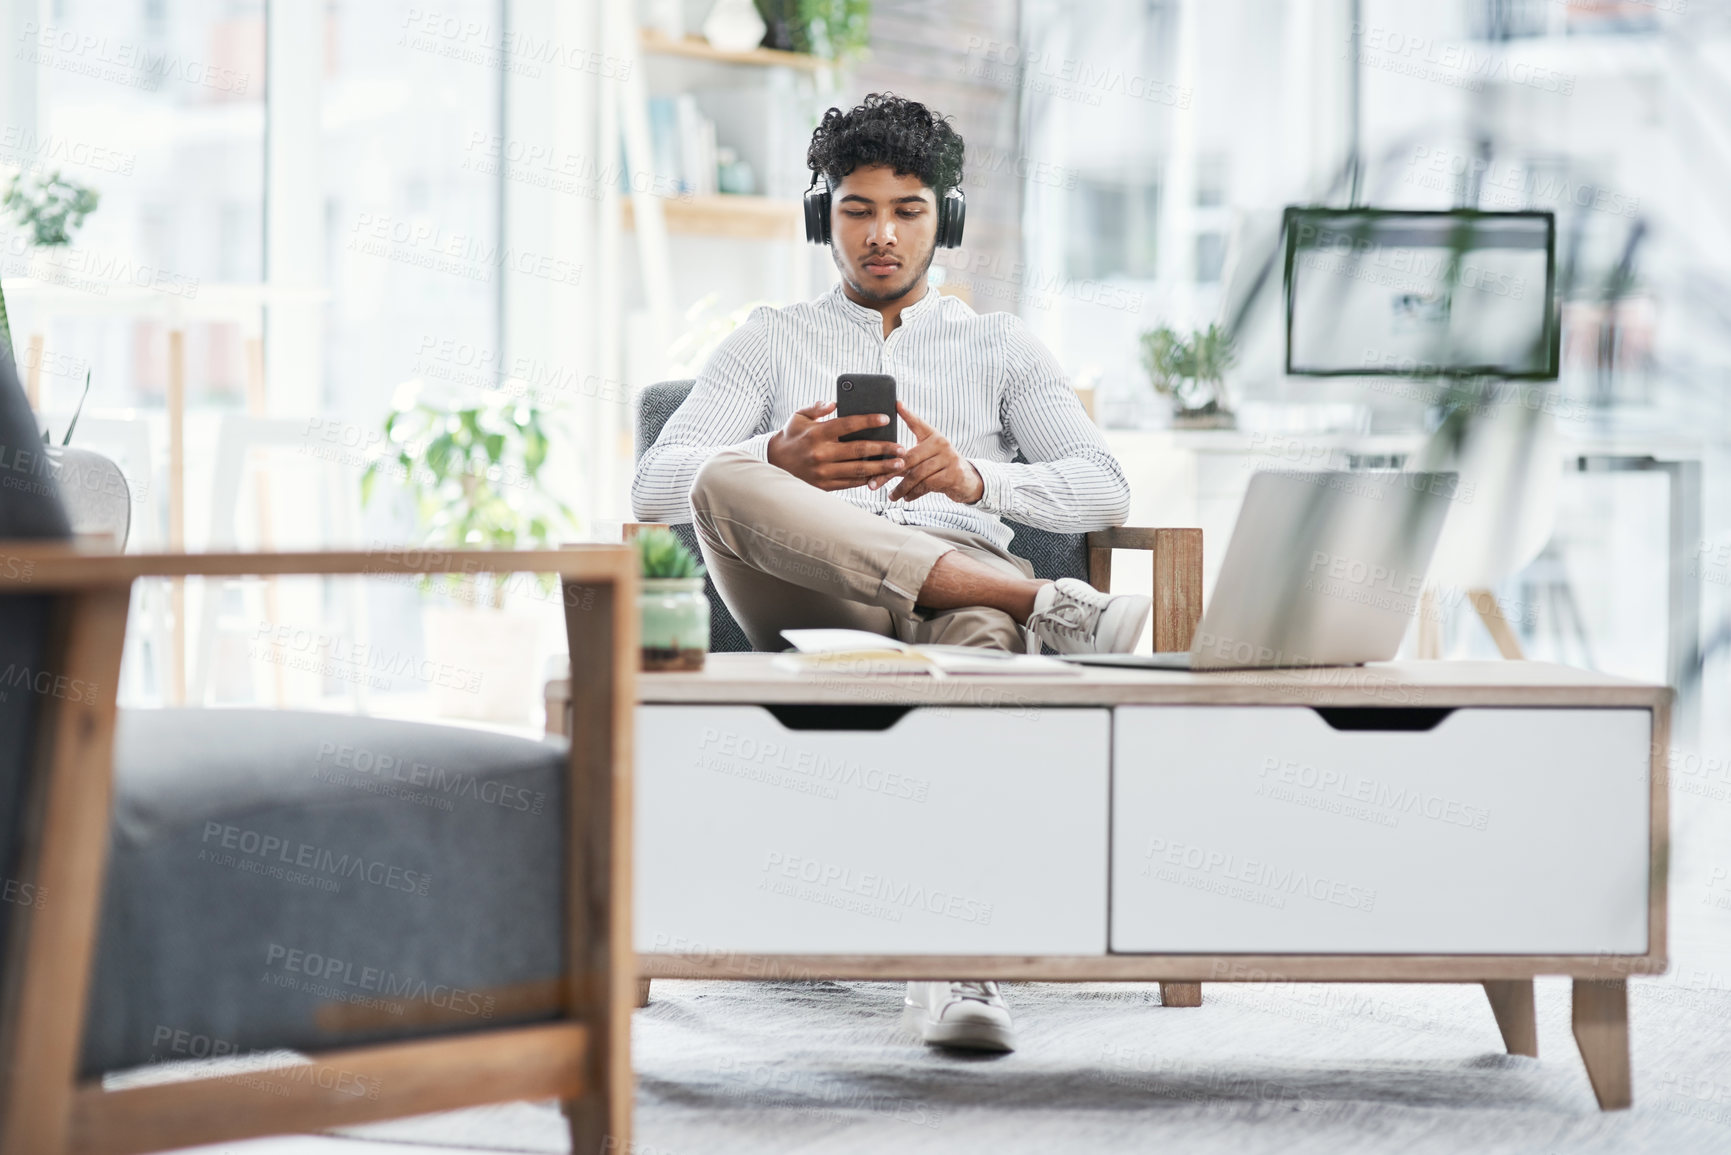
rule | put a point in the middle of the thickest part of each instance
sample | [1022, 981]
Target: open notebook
[862, 652]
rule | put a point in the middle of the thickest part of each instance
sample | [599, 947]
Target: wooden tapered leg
[1512, 1004]
[601, 625]
[53, 940]
[1508, 645]
[1180, 994]
[1429, 627]
[642, 992]
[1601, 1019]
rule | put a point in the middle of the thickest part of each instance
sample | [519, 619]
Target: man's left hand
[933, 466]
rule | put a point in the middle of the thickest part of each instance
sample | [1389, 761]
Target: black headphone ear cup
[952, 216]
[817, 212]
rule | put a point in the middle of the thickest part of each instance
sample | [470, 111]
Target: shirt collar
[866, 316]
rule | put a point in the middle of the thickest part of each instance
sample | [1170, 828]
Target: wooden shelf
[697, 48]
[752, 218]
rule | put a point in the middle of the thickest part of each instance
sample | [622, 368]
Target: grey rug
[758, 1068]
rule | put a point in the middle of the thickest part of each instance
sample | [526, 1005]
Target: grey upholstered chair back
[1053, 555]
[30, 509]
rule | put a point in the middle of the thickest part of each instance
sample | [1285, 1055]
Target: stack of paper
[861, 652]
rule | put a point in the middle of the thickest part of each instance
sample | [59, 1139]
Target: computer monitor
[1384, 292]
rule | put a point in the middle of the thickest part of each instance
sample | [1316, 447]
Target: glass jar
[674, 627]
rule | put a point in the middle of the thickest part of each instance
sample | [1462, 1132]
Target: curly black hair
[890, 130]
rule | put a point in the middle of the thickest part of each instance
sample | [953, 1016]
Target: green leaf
[443, 456]
[5, 328]
[67, 440]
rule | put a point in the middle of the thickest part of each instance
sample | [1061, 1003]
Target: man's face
[883, 232]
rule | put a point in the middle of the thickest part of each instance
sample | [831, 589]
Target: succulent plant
[660, 554]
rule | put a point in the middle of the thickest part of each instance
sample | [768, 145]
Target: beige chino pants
[787, 555]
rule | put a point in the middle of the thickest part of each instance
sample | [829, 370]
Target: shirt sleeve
[728, 408]
[1072, 483]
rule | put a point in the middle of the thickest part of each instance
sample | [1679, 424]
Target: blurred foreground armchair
[433, 917]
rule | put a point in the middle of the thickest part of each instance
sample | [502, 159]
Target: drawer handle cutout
[1410, 719]
[838, 717]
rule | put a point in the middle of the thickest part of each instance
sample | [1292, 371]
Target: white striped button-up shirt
[983, 381]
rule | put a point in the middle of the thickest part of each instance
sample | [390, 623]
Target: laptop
[1324, 568]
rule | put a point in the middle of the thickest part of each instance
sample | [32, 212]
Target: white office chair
[239, 439]
[1506, 509]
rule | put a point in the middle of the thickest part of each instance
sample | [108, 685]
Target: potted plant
[675, 610]
[1192, 371]
[52, 209]
[474, 472]
[833, 29]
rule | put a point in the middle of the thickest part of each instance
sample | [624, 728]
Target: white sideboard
[1482, 822]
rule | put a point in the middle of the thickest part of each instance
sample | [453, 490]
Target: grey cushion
[30, 509]
[274, 871]
[1053, 555]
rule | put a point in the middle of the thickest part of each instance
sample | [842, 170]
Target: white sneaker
[1073, 617]
[971, 1015]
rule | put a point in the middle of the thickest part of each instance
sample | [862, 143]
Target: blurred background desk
[34, 303]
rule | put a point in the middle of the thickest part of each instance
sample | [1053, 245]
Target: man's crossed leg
[785, 555]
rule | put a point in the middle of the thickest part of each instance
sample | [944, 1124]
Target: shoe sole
[958, 1036]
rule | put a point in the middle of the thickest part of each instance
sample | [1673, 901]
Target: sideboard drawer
[947, 831]
[1285, 829]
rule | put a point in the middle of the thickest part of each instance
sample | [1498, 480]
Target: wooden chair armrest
[56, 566]
[1177, 576]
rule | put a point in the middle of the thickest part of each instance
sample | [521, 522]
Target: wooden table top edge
[742, 679]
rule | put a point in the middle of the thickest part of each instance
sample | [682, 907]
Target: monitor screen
[1456, 293]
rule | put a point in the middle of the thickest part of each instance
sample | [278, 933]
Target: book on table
[863, 652]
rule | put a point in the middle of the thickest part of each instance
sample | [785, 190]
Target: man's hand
[934, 466]
[812, 450]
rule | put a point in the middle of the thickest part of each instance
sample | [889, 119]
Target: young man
[801, 529]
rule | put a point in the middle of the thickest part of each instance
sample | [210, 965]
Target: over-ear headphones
[952, 214]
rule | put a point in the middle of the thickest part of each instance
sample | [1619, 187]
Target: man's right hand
[811, 448]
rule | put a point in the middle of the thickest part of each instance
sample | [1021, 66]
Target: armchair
[425, 949]
[1176, 553]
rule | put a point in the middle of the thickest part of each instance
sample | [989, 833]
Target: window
[1112, 230]
[159, 110]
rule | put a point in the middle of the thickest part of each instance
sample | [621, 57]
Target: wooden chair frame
[1177, 559]
[583, 1058]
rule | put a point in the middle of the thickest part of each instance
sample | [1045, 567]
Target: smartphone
[857, 393]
